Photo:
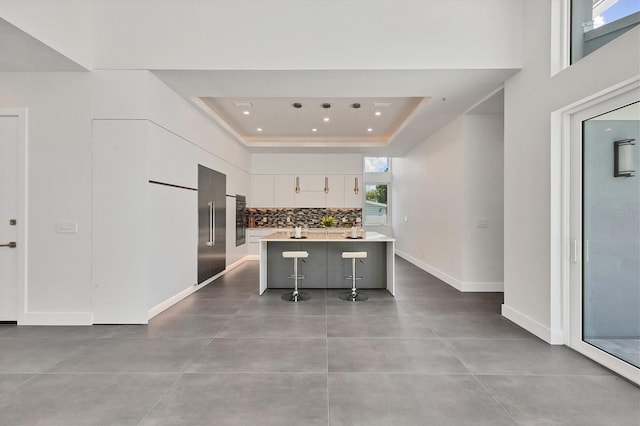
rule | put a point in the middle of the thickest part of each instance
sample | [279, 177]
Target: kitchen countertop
[331, 236]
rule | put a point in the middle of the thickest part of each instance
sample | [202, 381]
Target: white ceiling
[426, 101]
[346, 120]
[21, 52]
[421, 101]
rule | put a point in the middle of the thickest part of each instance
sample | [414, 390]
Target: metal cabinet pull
[12, 244]
[212, 223]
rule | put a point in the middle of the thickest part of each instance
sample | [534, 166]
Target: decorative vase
[326, 231]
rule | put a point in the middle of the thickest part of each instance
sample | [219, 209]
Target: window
[595, 23]
[377, 182]
[376, 164]
[376, 206]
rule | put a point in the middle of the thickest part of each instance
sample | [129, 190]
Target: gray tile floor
[225, 356]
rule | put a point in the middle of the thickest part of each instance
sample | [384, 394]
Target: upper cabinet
[284, 190]
[353, 194]
[262, 191]
[309, 191]
[280, 191]
[335, 194]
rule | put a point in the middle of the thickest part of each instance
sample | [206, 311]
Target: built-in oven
[241, 219]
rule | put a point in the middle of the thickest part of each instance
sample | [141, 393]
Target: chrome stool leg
[354, 295]
[295, 295]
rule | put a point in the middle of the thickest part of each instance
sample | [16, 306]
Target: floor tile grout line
[160, 399]
[24, 382]
[494, 398]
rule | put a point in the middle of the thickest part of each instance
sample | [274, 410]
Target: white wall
[59, 190]
[483, 247]
[428, 190]
[445, 187]
[64, 25]
[530, 98]
[120, 215]
[296, 35]
[162, 230]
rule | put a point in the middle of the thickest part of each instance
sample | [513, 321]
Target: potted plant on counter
[327, 222]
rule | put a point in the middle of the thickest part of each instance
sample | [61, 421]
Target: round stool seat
[294, 254]
[354, 254]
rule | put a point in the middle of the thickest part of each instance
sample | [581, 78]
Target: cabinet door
[310, 199]
[262, 191]
[351, 198]
[284, 190]
[335, 197]
[311, 183]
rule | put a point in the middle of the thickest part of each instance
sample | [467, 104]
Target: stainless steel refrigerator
[212, 187]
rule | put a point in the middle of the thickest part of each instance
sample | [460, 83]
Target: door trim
[566, 168]
[22, 115]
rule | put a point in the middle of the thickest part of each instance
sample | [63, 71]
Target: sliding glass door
[605, 277]
[611, 233]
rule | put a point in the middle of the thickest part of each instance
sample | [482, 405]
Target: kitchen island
[325, 268]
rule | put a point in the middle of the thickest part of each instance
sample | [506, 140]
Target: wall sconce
[297, 188]
[623, 158]
[326, 185]
[356, 190]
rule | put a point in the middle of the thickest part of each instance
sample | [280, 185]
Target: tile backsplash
[288, 217]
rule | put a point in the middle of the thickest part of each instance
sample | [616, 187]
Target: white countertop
[316, 236]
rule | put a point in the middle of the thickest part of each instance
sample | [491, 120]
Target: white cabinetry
[311, 183]
[262, 191]
[351, 198]
[311, 191]
[335, 196]
[284, 190]
[255, 235]
[310, 199]
[279, 191]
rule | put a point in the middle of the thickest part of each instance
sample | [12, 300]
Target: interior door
[9, 163]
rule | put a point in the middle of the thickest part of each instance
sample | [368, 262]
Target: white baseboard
[550, 336]
[484, 287]
[464, 286]
[163, 306]
[57, 318]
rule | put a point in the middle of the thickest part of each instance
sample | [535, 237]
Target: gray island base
[325, 268]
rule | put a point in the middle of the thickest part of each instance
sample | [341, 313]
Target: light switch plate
[67, 227]
[482, 223]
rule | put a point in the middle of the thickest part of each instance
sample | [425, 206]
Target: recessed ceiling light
[608, 129]
[377, 113]
[314, 130]
[246, 112]
[369, 129]
[326, 119]
[259, 129]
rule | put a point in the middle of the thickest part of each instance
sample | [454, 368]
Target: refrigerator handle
[212, 221]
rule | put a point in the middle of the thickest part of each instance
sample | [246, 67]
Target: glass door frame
[573, 312]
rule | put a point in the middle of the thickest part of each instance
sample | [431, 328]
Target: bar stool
[354, 295]
[295, 295]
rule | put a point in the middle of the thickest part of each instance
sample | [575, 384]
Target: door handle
[212, 221]
[12, 244]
